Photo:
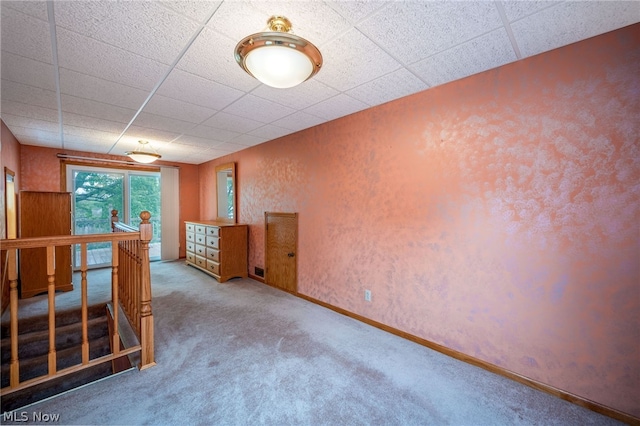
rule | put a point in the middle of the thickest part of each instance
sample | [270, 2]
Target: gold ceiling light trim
[277, 57]
[142, 156]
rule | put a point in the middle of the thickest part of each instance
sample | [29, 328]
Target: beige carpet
[244, 353]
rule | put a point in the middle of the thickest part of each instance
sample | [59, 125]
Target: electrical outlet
[367, 295]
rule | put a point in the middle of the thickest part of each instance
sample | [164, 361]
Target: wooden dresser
[218, 248]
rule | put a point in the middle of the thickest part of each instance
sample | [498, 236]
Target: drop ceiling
[97, 76]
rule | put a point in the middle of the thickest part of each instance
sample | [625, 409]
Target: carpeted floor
[244, 353]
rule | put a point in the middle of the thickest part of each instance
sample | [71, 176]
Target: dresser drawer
[201, 262]
[213, 254]
[213, 267]
[218, 249]
[213, 242]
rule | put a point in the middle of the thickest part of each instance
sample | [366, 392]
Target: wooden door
[44, 214]
[281, 250]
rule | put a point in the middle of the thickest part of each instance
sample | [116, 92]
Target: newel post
[114, 220]
[146, 316]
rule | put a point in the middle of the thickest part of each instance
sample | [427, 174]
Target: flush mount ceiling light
[142, 156]
[276, 57]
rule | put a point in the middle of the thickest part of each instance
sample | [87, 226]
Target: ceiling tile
[85, 122]
[154, 136]
[299, 121]
[96, 142]
[299, 97]
[99, 90]
[248, 140]
[223, 120]
[197, 90]
[28, 71]
[209, 154]
[519, 9]
[195, 141]
[37, 137]
[480, 54]
[352, 60]
[230, 147]
[145, 28]
[88, 56]
[312, 20]
[238, 19]
[180, 110]
[18, 92]
[198, 10]
[78, 134]
[211, 56]
[207, 132]
[412, 31]
[90, 108]
[25, 35]
[35, 123]
[188, 149]
[190, 154]
[36, 9]
[356, 10]
[336, 107]
[388, 87]
[572, 21]
[29, 111]
[258, 109]
[270, 132]
[85, 146]
[158, 122]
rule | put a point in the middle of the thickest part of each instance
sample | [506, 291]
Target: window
[97, 191]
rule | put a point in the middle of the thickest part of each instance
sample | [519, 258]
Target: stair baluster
[84, 307]
[115, 346]
[12, 273]
[51, 289]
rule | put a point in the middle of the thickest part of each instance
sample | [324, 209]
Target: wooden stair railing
[135, 288]
[134, 284]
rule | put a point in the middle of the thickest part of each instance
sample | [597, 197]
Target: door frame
[267, 215]
[10, 228]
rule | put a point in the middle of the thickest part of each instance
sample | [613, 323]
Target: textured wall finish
[497, 215]
[10, 158]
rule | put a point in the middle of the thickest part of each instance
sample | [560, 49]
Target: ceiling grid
[97, 76]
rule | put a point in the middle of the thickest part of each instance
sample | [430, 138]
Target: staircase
[33, 348]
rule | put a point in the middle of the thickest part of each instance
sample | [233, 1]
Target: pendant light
[278, 58]
[142, 156]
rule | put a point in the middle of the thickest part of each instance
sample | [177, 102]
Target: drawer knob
[291, 254]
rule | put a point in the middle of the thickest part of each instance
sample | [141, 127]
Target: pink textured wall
[41, 172]
[10, 155]
[497, 215]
